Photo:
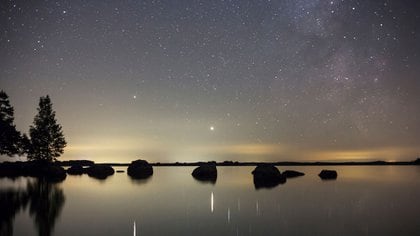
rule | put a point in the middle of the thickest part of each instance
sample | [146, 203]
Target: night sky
[179, 80]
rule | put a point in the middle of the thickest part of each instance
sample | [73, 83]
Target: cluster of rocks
[265, 175]
[139, 169]
[268, 176]
[38, 169]
[97, 171]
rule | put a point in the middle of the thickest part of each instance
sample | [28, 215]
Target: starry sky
[288, 80]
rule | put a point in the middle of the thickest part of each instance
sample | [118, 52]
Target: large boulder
[267, 176]
[328, 174]
[53, 173]
[140, 169]
[206, 172]
[292, 173]
[76, 170]
[100, 171]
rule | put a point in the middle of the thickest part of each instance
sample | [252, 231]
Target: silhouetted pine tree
[10, 138]
[47, 140]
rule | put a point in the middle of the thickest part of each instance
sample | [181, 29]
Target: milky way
[218, 80]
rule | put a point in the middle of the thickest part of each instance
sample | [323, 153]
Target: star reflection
[212, 202]
[257, 208]
[228, 215]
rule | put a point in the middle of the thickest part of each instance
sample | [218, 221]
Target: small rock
[292, 173]
[328, 174]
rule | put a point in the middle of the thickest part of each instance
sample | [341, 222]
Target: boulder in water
[328, 174]
[76, 170]
[140, 169]
[99, 171]
[267, 176]
[206, 172]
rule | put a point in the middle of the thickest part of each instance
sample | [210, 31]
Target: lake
[364, 200]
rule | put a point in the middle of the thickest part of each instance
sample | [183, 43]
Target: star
[211, 128]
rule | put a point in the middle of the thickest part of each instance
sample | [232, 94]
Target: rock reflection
[141, 181]
[45, 201]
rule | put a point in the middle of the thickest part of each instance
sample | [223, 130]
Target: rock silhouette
[292, 173]
[206, 172]
[76, 170]
[100, 171]
[140, 169]
[328, 174]
[267, 176]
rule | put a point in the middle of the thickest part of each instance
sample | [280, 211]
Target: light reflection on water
[368, 200]
[211, 202]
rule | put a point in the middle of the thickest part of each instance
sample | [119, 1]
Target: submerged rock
[206, 172]
[140, 169]
[100, 171]
[328, 174]
[76, 170]
[292, 173]
[267, 176]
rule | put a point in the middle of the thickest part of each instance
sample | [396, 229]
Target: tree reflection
[45, 201]
[11, 202]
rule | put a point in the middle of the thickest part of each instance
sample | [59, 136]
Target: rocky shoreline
[266, 175]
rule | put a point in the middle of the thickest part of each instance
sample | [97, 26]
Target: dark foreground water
[371, 200]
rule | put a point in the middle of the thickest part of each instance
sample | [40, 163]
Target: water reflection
[11, 202]
[228, 215]
[212, 202]
[140, 181]
[45, 201]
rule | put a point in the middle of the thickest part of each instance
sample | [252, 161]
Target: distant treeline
[237, 163]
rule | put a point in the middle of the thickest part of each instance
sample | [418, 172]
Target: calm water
[382, 200]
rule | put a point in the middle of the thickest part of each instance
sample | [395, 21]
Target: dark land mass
[281, 163]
